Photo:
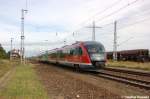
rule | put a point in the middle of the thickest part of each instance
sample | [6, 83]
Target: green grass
[5, 65]
[128, 64]
[24, 85]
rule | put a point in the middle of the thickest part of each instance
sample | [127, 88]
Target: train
[138, 55]
[79, 55]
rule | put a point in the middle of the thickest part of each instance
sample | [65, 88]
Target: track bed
[64, 83]
[132, 77]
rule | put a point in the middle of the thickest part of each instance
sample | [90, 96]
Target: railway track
[130, 77]
[134, 78]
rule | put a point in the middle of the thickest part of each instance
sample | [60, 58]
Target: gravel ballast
[60, 85]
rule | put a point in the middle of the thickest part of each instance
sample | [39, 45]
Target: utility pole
[11, 48]
[93, 32]
[22, 49]
[65, 42]
[115, 42]
[73, 34]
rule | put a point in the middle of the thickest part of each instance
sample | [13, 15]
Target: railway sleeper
[127, 81]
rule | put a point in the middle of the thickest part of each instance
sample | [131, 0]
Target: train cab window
[95, 48]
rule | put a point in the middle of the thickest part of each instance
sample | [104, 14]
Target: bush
[3, 54]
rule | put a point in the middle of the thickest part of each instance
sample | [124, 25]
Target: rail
[134, 78]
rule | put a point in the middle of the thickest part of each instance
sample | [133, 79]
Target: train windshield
[95, 48]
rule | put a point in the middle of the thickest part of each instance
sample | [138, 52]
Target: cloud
[46, 17]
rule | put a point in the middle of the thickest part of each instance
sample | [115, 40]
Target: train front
[96, 53]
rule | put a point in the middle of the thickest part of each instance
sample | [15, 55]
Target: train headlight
[97, 57]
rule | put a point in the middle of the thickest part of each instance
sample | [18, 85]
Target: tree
[3, 53]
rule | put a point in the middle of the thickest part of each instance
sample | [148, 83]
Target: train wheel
[76, 67]
[57, 63]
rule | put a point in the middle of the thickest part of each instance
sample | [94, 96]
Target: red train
[80, 55]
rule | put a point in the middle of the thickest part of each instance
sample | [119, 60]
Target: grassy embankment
[5, 65]
[128, 64]
[24, 84]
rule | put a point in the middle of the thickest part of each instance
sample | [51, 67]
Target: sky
[48, 23]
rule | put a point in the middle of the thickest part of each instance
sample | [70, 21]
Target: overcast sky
[46, 17]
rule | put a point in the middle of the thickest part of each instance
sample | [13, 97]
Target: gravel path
[60, 85]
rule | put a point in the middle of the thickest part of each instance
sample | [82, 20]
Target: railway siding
[127, 70]
[136, 66]
[136, 78]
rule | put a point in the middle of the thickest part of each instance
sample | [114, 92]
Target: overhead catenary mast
[11, 41]
[22, 49]
[93, 32]
[115, 42]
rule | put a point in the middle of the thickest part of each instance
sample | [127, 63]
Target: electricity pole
[115, 42]
[73, 34]
[11, 48]
[93, 32]
[65, 42]
[22, 49]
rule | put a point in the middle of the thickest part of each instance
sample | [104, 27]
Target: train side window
[71, 52]
[61, 54]
[76, 51]
[80, 51]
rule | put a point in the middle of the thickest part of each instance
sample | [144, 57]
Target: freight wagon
[141, 55]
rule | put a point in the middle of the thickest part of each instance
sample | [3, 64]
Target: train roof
[91, 42]
[76, 44]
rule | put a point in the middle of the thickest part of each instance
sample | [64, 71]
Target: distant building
[15, 54]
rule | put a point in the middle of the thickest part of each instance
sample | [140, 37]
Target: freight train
[139, 55]
[80, 55]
